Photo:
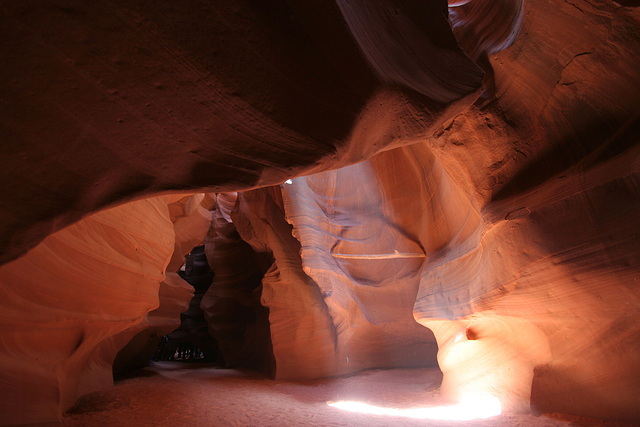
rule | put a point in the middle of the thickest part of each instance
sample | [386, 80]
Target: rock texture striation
[398, 185]
[69, 305]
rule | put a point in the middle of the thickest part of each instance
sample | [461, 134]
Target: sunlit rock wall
[543, 316]
[360, 244]
[321, 322]
[513, 223]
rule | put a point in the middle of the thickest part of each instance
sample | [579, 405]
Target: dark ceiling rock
[104, 102]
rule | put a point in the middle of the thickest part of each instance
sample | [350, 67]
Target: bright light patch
[471, 408]
[288, 181]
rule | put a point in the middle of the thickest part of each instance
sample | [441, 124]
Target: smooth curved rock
[410, 44]
[559, 182]
[572, 104]
[512, 221]
[137, 344]
[572, 297]
[490, 355]
[66, 303]
[483, 27]
[365, 258]
[191, 221]
[303, 336]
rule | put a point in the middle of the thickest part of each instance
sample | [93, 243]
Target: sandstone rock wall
[554, 178]
[231, 305]
[507, 228]
[302, 334]
[67, 304]
[72, 303]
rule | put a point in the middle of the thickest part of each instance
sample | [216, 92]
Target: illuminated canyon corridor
[336, 212]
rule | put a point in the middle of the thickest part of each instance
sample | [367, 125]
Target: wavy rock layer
[548, 289]
[137, 344]
[362, 245]
[68, 302]
[302, 334]
[191, 221]
[507, 228]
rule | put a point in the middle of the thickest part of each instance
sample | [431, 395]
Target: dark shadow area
[191, 342]
[543, 402]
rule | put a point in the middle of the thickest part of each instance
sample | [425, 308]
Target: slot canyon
[372, 188]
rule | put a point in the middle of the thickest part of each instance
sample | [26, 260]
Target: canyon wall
[477, 208]
[67, 306]
[71, 304]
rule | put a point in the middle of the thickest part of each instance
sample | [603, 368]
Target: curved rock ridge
[137, 344]
[543, 297]
[546, 290]
[489, 285]
[302, 334]
[410, 44]
[191, 219]
[93, 296]
[67, 304]
[581, 90]
[483, 27]
[354, 213]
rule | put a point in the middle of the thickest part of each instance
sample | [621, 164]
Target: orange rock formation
[462, 188]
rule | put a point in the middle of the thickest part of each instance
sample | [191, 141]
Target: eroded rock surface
[504, 232]
[231, 305]
[68, 302]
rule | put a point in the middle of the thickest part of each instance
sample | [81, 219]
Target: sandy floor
[171, 393]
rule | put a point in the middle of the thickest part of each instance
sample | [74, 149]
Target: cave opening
[191, 341]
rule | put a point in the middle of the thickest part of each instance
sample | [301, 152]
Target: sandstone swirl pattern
[464, 190]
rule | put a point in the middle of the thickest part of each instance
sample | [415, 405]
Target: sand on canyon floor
[173, 393]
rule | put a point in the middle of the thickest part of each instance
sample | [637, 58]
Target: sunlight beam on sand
[470, 408]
